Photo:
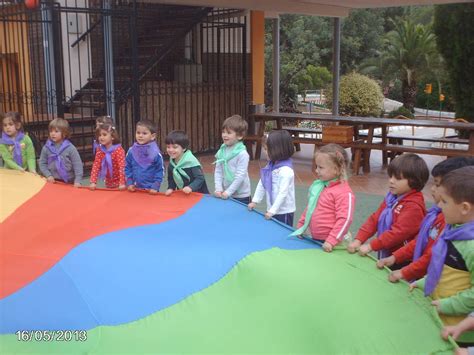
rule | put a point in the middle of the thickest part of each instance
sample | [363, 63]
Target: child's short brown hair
[147, 124]
[15, 117]
[109, 128]
[61, 125]
[237, 124]
[459, 184]
[279, 145]
[411, 167]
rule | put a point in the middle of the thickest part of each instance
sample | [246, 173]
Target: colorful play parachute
[108, 272]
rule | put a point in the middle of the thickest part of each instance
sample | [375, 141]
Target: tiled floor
[373, 183]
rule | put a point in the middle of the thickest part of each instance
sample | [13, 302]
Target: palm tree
[407, 52]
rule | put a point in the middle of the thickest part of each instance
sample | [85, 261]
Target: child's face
[9, 127]
[434, 189]
[454, 212]
[230, 137]
[105, 138]
[325, 168]
[143, 135]
[55, 135]
[175, 151]
[398, 186]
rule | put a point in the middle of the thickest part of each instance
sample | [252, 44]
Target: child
[419, 249]
[98, 123]
[277, 179]
[16, 148]
[331, 201]
[144, 163]
[456, 330]
[59, 158]
[184, 171]
[231, 175]
[398, 218]
[109, 162]
[450, 275]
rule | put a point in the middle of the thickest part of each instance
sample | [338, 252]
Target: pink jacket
[333, 214]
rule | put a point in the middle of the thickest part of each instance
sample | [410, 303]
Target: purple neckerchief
[424, 232]
[463, 232]
[386, 218]
[107, 166]
[145, 154]
[95, 145]
[56, 155]
[266, 174]
[17, 146]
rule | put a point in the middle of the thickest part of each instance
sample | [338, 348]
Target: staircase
[160, 28]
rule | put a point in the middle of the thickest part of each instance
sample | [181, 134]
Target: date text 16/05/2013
[51, 335]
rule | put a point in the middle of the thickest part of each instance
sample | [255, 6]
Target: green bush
[358, 96]
[403, 111]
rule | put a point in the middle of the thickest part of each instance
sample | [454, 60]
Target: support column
[276, 64]
[336, 63]
[257, 32]
[47, 23]
[109, 62]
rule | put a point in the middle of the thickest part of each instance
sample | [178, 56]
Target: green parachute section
[277, 301]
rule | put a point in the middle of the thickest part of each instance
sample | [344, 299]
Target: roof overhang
[334, 8]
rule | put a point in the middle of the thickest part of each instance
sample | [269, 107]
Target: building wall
[16, 84]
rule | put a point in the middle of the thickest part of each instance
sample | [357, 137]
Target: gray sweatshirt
[72, 162]
[240, 186]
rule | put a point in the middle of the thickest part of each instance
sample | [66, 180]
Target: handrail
[157, 57]
[85, 34]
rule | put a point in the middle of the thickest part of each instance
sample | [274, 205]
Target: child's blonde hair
[338, 156]
[109, 128]
[16, 119]
[61, 125]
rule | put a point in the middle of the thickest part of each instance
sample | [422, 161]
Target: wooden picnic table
[371, 123]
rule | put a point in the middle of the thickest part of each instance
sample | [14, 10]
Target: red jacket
[118, 167]
[333, 214]
[407, 216]
[417, 269]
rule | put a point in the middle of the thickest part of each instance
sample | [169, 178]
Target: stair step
[72, 119]
[91, 91]
[92, 104]
[102, 80]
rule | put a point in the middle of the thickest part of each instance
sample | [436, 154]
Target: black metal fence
[182, 67]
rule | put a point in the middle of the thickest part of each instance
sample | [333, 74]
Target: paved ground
[374, 183]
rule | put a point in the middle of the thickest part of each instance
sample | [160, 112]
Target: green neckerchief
[314, 191]
[188, 160]
[223, 158]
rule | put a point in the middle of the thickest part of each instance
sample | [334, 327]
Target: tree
[304, 40]
[320, 76]
[312, 78]
[407, 53]
[454, 28]
[360, 38]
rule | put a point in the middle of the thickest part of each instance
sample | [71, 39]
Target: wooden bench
[359, 153]
[393, 140]
[373, 123]
[418, 150]
[296, 133]
[249, 141]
